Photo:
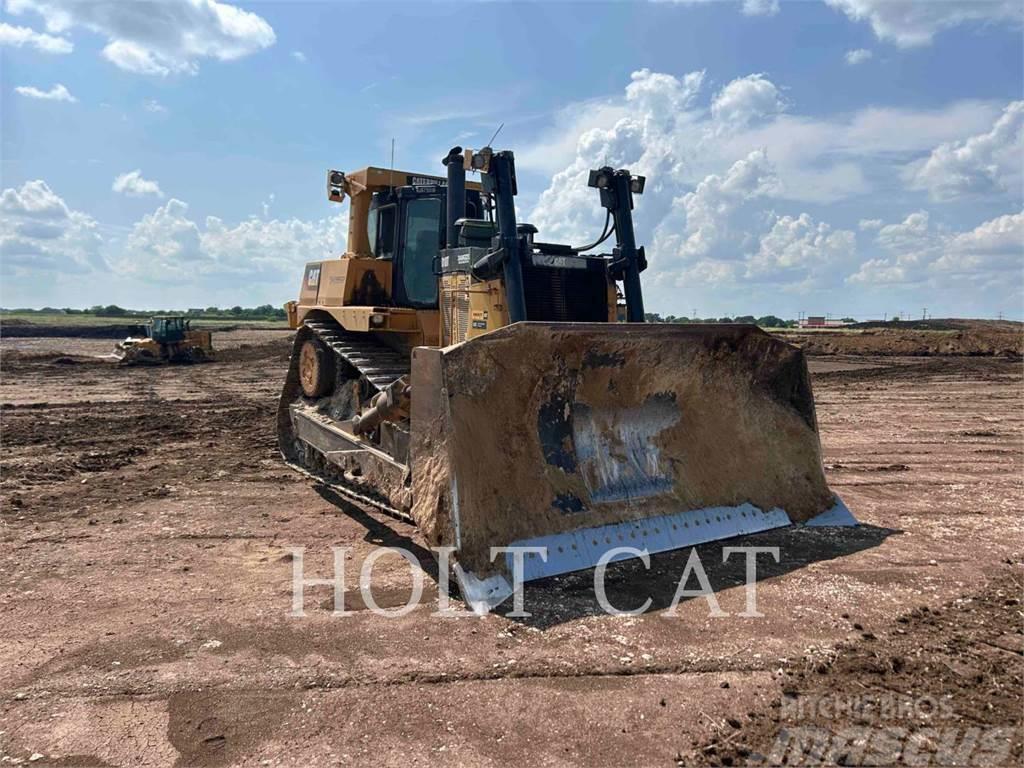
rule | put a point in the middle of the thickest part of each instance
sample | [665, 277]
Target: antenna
[391, 175]
[489, 143]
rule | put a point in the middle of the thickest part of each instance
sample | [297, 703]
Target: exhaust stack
[453, 161]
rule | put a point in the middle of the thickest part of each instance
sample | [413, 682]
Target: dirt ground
[146, 528]
[922, 338]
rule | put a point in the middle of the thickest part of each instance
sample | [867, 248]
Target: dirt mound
[277, 349]
[13, 360]
[1006, 340]
[884, 686]
[944, 324]
[24, 329]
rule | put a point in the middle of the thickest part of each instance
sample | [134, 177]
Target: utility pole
[924, 313]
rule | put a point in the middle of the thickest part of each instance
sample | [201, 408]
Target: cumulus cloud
[984, 163]
[18, 37]
[154, 106]
[169, 246]
[160, 40]
[745, 100]
[133, 184]
[299, 56]
[728, 208]
[858, 56]
[654, 102]
[40, 233]
[909, 24]
[57, 93]
[994, 246]
[797, 249]
[709, 222]
[737, 185]
[723, 233]
[917, 252]
[667, 124]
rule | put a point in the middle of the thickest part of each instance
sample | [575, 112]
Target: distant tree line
[262, 312]
[767, 321]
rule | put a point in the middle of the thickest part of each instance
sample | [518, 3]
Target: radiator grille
[565, 295]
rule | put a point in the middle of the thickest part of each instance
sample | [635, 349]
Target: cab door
[421, 232]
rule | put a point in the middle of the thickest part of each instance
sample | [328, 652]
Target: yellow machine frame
[467, 307]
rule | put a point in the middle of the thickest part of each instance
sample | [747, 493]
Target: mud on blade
[585, 437]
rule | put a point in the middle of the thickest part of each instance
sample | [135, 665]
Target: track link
[378, 365]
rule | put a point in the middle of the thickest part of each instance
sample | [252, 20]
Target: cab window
[422, 243]
[380, 230]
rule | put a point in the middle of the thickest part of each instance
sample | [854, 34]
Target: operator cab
[406, 225]
[168, 330]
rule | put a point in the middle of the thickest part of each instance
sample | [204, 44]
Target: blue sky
[858, 157]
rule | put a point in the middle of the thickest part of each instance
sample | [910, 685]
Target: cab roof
[373, 178]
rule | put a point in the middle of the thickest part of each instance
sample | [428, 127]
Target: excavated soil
[955, 669]
[148, 530]
[922, 338]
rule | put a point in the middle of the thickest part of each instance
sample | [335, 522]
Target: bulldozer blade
[584, 438]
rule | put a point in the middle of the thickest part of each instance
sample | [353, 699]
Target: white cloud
[40, 233]
[819, 160]
[168, 246]
[916, 252]
[136, 58]
[152, 105]
[654, 102]
[35, 199]
[909, 246]
[711, 221]
[797, 249]
[858, 56]
[760, 7]
[57, 93]
[994, 246]
[721, 233]
[736, 187]
[909, 236]
[299, 56]
[984, 163]
[133, 184]
[745, 100]
[167, 38]
[749, 7]
[909, 24]
[25, 36]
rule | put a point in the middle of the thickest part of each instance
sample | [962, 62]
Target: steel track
[378, 365]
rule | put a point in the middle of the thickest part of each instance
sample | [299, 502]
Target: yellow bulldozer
[168, 339]
[499, 391]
